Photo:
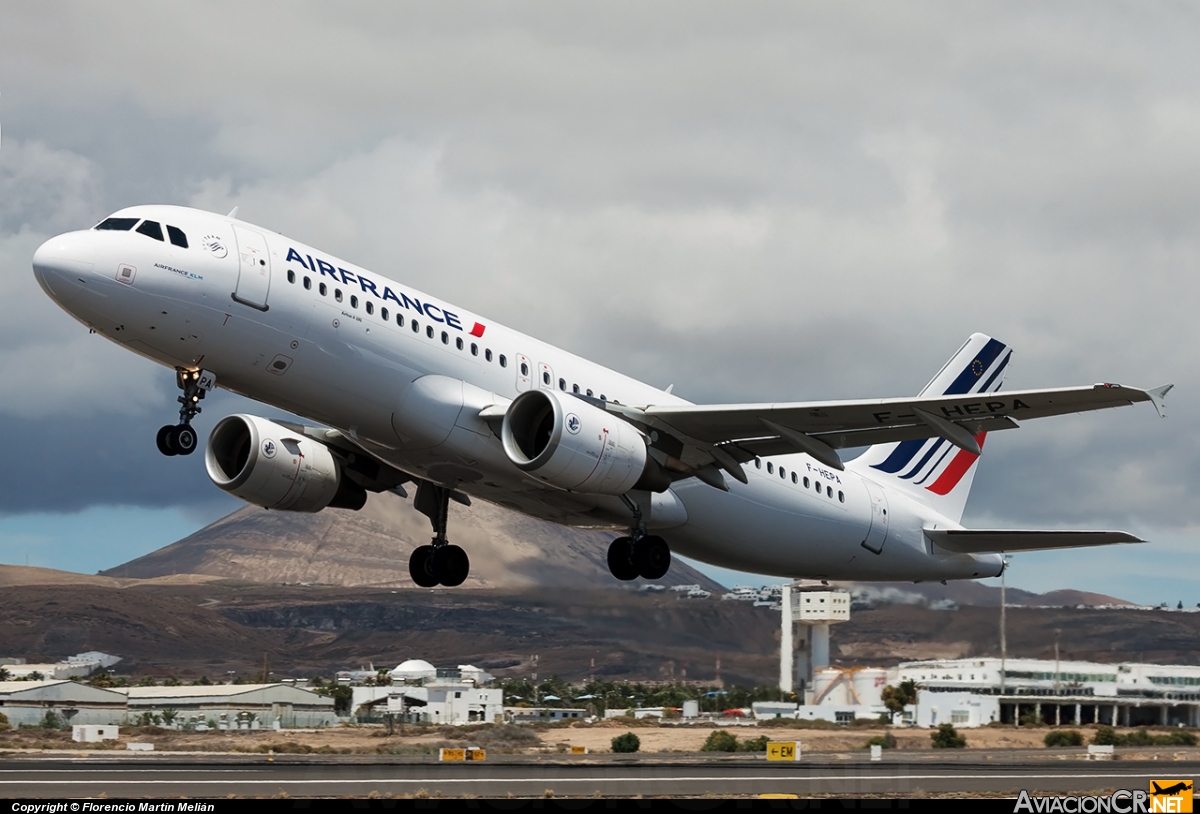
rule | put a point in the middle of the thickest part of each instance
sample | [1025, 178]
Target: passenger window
[429, 331]
[770, 468]
[337, 294]
[445, 338]
[794, 478]
[545, 377]
[458, 343]
[291, 276]
[474, 349]
[416, 327]
[177, 236]
[308, 283]
[603, 397]
[323, 289]
[806, 483]
[524, 369]
[487, 354]
[353, 301]
[758, 463]
[503, 360]
[589, 392]
[370, 307]
[829, 491]
[150, 228]
[818, 487]
[841, 497]
[575, 389]
[782, 473]
[116, 224]
[383, 314]
[400, 319]
[562, 384]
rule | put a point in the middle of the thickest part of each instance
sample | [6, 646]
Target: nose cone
[57, 260]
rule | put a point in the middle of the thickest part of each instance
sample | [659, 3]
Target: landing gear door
[524, 373]
[254, 269]
[877, 533]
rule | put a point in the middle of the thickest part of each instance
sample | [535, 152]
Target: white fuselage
[411, 397]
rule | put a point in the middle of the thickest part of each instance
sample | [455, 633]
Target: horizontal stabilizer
[987, 541]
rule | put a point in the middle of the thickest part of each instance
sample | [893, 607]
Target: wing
[987, 541]
[730, 434]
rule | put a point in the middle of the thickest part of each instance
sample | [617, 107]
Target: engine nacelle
[570, 444]
[269, 465]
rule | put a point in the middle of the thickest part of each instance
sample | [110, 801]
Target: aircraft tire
[620, 563]
[652, 557]
[163, 440]
[420, 567]
[452, 565]
[183, 439]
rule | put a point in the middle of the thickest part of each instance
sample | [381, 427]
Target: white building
[1055, 692]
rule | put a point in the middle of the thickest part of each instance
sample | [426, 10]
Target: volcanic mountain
[371, 548]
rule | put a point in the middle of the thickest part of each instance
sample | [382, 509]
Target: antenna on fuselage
[232, 213]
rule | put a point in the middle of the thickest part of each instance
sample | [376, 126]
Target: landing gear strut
[439, 562]
[180, 439]
[640, 554]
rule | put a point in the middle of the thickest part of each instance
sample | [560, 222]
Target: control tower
[814, 606]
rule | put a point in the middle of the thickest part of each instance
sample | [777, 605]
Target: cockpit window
[150, 228]
[117, 224]
[177, 236]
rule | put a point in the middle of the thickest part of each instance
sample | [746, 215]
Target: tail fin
[933, 470]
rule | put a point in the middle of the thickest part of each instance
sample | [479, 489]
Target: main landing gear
[180, 439]
[640, 554]
[438, 563]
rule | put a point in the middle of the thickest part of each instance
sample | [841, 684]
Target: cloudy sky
[754, 201]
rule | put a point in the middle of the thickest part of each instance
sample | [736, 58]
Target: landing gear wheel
[651, 557]
[451, 565]
[420, 567]
[620, 562]
[163, 440]
[183, 439]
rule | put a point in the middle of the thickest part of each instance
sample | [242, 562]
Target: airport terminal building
[974, 692]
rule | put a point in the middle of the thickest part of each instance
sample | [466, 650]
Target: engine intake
[574, 446]
[269, 465]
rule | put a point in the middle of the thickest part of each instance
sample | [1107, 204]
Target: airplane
[1172, 790]
[407, 388]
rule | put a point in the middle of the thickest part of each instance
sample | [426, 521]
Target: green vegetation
[887, 741]
[758, 744]
[1064, 737]
[897, 698]
[52, 720]
[627, 743]
[1107, 736]
[720, 740]
[4, 724]
[947, 737]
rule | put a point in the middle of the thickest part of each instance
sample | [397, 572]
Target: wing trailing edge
[992, 541]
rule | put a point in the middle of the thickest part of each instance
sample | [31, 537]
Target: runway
[125, 778]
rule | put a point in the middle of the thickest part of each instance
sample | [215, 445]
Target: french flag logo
[478, 329]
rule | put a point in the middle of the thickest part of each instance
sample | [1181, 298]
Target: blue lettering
[326, 269]
[367, 285]
[347, 276]
[388, 294]
[429, 309]
[411, 303]
[295, 255]
[452, 320]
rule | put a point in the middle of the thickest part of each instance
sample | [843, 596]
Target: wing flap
[991, 541]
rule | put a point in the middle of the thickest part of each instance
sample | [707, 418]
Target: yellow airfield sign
[783, 750]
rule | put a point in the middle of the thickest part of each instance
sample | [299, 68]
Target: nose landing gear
[180, 439]
[439, 563]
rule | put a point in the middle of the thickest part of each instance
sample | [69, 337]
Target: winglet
[1157, 396]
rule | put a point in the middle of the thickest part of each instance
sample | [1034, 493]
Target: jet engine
[275, 467]
[573, 445]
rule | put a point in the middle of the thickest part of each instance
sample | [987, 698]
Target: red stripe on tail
[957, 468]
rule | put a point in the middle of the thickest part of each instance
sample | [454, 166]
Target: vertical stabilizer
[933, 470]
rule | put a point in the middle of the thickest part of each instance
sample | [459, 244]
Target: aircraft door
[524, 373]
[545, 376]
[254, 269]
[877, 533]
